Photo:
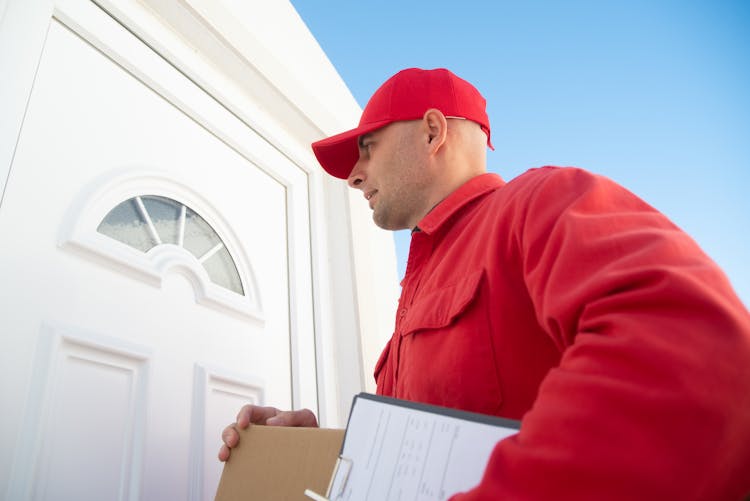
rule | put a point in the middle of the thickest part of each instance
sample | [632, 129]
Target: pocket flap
[439, 307]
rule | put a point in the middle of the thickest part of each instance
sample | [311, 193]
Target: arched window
[147, 221]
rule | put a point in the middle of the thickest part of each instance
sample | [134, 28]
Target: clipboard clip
[337, 484]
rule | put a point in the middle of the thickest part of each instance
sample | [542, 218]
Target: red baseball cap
[404, 96]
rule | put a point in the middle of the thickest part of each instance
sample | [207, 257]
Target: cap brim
[338, 154]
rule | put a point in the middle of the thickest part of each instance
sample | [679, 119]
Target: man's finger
[254, 414]
[303, 417]
[224, 453]
[230, 436]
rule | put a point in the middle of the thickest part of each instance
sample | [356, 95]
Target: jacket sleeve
[651, 399]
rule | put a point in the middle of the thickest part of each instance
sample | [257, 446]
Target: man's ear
[436, 127]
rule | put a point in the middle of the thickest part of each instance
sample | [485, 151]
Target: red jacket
[563, 299]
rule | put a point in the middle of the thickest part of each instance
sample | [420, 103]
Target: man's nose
[356, 177]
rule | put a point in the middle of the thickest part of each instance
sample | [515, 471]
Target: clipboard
[401, 449]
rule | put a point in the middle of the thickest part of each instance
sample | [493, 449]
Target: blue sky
[653, 94]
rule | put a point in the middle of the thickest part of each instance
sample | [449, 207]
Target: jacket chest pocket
[446, 354]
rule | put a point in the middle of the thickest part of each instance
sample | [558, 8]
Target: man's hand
[269, 416]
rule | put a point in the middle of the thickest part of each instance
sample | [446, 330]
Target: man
[558, 298]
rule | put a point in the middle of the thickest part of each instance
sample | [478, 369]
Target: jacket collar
[470, 190]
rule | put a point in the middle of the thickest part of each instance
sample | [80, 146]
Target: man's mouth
[368, 197]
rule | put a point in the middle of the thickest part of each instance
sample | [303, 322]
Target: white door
[145, 273]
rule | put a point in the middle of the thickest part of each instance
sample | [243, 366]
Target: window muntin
[146, 221]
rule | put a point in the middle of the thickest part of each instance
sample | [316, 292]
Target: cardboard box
[278, 463]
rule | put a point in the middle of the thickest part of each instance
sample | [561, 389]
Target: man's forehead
[379, 130]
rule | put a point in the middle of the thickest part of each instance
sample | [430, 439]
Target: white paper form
[396, 450]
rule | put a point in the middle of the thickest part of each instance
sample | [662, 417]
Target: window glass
[146, 221]
[221, 269]
[124, 223]
[200, 238]
[165, 216]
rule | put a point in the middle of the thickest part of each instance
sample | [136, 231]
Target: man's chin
[387, 225]
[380, 221]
